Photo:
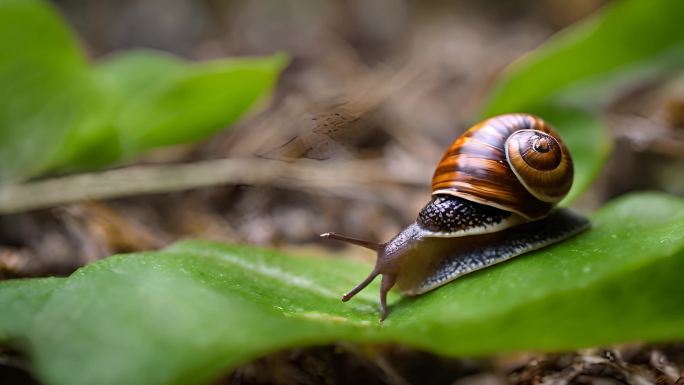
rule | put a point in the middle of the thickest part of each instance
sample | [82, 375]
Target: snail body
[493, 198]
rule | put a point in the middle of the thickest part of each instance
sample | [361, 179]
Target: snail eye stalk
[354, 241]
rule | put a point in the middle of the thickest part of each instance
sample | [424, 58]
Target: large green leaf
[186, 314]
[629, 41]
[59, 112]
[22, 299]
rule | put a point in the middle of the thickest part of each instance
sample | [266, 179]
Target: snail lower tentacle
[347, 296]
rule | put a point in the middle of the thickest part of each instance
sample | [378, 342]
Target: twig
[349, 179]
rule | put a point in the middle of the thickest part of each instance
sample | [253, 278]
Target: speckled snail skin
[493, 198]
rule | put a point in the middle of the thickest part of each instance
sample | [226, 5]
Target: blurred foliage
[60, 112]
[570, 76]
[627, 43]
[186, 314]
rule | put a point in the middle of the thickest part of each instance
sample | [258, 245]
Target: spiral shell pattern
[516, 162]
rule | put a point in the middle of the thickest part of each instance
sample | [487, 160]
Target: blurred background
[386, 83]
[373, 93]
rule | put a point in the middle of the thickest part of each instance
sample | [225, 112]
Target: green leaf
[137, 71]
[46, 87]
[189, 313]
[58, 112]
[628, 42]
[186, 103]
[22, 299]
[124, 76]
[574, 72]
[156, 100]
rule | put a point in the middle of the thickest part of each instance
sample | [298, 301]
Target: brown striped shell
[516, 162]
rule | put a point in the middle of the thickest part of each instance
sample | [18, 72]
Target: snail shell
[493, 198]
[515, 162]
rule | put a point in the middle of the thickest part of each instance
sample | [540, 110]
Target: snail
[493, 198]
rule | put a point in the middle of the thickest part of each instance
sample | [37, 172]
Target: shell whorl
[540, 163]
[516, 162]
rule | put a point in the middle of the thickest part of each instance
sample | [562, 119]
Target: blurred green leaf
[187, 314]
[137, 71]
[58, 112]
[46, 87]
[125, 77]
[23, 299]
[159, 100]
[627, 42]
[568, 77]
[191, 102]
